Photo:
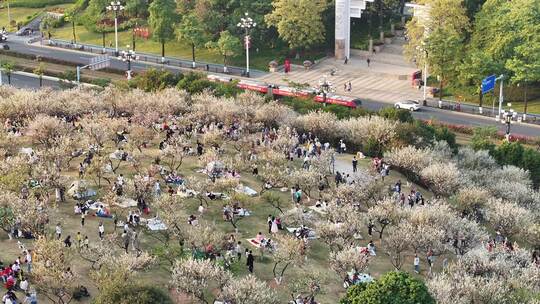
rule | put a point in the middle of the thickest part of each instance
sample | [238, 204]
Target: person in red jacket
[10, 282]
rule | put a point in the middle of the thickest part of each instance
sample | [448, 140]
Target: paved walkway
[386, 79]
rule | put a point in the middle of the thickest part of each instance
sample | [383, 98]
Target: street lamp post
[128, 56]
[325, 87]
[425, 77]
[507, 119]
[501, 96]
[115, 7]
[246, 23]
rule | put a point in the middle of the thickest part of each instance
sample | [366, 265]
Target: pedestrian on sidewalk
[354, 164]
[349, 86]
[345, 87]
[346, 60]
[368, 62]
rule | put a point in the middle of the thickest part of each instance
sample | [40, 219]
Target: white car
[411, 105]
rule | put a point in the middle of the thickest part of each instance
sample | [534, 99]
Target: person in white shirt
[371, 248]
[58, 230]
[416, 264]
[23, 285]
[28, 259]
[101, 230]
[201, 209]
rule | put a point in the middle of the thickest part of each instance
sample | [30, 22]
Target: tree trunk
[163, 49]
[525, 101]
[103, 38]
[193, 53]
[381, 232]
[73, 28]
[480, 98]
[440, 89]
[370, 16]
[381, 17]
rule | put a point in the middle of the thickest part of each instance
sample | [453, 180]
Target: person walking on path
[238, 250]
[250, 260]
[416, 263]
[269, 221]
[101, 230]
[201, 210]
[274, 228]
[78, 238]
[58, 231]
[368, 62]
[354, 164]
[349, 86]
[83, 216]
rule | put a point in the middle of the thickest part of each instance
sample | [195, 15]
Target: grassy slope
[258, 60]
[20, 13]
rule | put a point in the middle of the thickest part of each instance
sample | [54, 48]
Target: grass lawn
[258, 60]
[533, 106]
[248, 227]
[20, 14]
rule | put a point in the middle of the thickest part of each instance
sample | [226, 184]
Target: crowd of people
[14, 278]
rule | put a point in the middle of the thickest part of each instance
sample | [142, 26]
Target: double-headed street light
[507, 117]
[116, 7]
[325, 87]
[128, 56]
[247, 24]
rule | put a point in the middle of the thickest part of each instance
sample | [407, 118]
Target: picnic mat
[311, 233]
[254, 242]
[155, 224]
[246, 190]
[95, 205]
[320, 210]
[126, 203]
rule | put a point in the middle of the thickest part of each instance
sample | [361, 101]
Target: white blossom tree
[247, 290]
[193, 277]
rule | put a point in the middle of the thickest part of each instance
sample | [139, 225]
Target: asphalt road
[18, 44]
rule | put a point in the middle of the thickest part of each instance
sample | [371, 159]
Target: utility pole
[501, 96]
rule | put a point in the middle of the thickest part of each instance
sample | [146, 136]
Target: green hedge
[392, 287]
[306, 105]
[194, 82]
[514, 153]
[37, 3]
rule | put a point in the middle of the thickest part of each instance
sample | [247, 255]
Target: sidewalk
[151, 58]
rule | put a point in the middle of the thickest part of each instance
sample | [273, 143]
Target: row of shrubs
[155, 80]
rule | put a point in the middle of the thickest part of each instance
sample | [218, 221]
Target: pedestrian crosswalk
[364, 85]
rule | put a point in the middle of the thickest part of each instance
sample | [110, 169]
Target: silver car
[411, 105]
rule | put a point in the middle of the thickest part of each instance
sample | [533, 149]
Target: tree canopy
[299, 22]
